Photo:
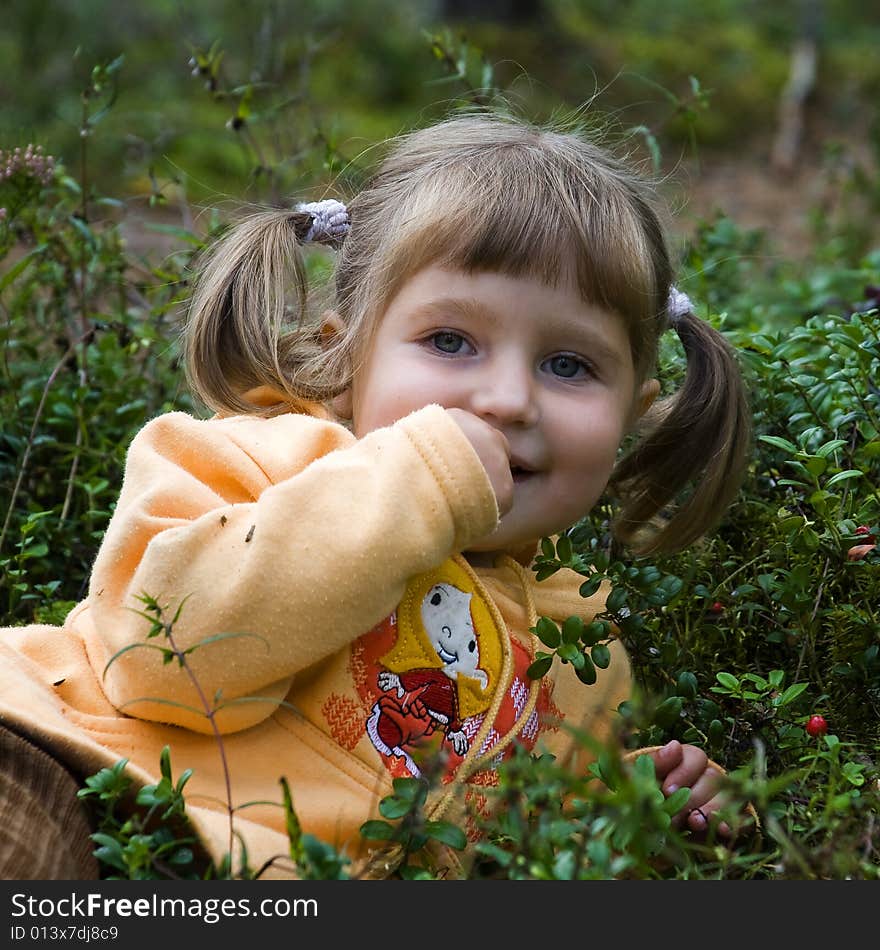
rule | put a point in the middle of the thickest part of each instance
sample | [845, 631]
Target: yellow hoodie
[337, 633]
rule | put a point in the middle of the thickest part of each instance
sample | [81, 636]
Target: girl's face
[552, 373]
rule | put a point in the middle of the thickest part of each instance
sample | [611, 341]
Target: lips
[520, 471]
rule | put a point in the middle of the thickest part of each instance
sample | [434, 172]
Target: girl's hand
[687, 766]
[494, 452]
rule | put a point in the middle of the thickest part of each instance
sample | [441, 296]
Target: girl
[344, 547]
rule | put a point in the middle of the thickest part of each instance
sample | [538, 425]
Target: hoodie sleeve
[281, 538]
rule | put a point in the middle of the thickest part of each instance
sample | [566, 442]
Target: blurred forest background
[764, 112]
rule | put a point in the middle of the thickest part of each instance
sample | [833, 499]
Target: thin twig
[33, 433]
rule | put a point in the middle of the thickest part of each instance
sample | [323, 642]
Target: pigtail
[698, 438]
[245, 326]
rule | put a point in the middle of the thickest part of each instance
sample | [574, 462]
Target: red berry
[717, 607]
[863, 529]
[816, 726]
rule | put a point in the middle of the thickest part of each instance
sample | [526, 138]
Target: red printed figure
[418, 702]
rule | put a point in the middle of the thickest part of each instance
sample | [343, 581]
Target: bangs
[554, 227]
[485, 194]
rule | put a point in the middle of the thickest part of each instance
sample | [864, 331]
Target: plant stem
[30, 442]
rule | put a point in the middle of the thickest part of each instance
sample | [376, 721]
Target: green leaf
[84, 230]
[447, 833]
[539, 668]
[165, 762]
[687, 685]
[676, 801]
[843, 476]
[591, 585]
[548, 633]
[564, 549]
[545, 571]
[587, 673]
[135, 646]
[644, 767]
[825, 450]
[409, 789]
[377, 831]
[728, 680]
[216, 637]
[778, 443]
[572, 628]
[601, 656]
[19, 266]
[668, 712]
[110, 850]
[594, 632]
[616, 599]
[790, 695]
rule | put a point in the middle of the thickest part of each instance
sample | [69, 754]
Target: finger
[704, 804]
[703, 791]
[701, 819]
[687, 772]
[666, 759]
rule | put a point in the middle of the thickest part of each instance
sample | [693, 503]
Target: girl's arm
[284, 529]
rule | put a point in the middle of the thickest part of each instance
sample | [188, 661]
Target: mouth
[446, 656]
[520, 473]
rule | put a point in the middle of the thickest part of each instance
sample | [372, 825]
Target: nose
[504, 393]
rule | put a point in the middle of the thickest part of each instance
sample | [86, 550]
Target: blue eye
[448, 342]
[566, 366]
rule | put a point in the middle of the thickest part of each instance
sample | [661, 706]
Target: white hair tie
[678, 305]
[330, 221]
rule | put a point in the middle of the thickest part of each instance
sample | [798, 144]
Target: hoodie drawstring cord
[383, 863]
[477, 759]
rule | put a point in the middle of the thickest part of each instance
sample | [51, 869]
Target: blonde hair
[485, 192]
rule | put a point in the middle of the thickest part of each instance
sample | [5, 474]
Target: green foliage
[147, 838]
[89, 352]
[633, 590]
[406, 828]
[314, 859]
[614, 823]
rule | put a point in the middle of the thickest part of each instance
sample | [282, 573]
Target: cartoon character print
[419, 702]
[429, 672]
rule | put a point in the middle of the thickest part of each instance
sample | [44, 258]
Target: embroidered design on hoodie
[429, 672]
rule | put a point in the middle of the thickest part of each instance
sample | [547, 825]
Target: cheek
[384, 395]
[589, 441]
[395, 388]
